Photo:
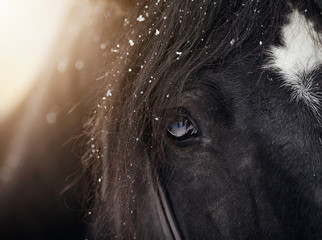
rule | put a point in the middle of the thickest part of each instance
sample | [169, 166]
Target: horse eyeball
[181, 128]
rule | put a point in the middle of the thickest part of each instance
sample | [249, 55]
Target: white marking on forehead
[298, 58]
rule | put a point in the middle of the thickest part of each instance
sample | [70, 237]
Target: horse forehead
[302, 52]
[298, 58]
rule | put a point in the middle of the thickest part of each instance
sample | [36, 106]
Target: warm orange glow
[28, 29]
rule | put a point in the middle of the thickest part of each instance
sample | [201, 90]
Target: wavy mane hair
[163, 45]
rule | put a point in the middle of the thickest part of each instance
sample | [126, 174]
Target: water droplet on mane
[126, 22]
[109, 93]
[140, 18]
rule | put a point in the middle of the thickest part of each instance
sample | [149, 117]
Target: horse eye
[181, 128]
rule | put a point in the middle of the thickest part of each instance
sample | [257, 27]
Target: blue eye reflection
[181, 128]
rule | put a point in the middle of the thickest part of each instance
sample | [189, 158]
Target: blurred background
[28, 31]
[53, 53]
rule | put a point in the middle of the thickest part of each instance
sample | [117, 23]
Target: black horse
[207, 123]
